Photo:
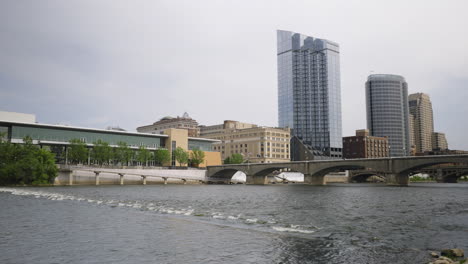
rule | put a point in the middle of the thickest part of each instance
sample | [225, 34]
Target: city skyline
[101, 64]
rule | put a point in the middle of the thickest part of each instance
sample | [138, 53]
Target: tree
[143, 155]
[235, 158]
[102, 152]
[197, 157]
[162, 156]
[77, 151]
[181, 155]
[3, 137]
[26, 164]
[123, 153]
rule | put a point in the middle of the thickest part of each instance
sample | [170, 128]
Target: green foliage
[197, 157]
[123, 153]
[102, 152]
[3, 137]
[26, 164]
[181, 155]
[417, 178]
[143, 154]
[235, 158]
[162, 156]
[77, 151]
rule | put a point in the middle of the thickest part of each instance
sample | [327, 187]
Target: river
[340, 223]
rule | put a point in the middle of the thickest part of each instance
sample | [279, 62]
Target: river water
[348, 223]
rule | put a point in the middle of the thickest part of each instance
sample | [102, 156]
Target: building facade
[439, 141]
[364, 146]
[256, 144]
[57, 139]
[412, 140]
[420, 107]
[387, 111]
[309, 93]
[184, 122]
[206, 131]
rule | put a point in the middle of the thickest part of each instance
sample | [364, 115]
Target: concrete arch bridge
[441, 174]
[396, 171]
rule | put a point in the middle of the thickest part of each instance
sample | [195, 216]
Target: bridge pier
[257, 180]
[165, 180]
[439, 176]
[70, 178]
[121, 178]
[144, 179]
[314, 179]
[397, 179]
[97, 177]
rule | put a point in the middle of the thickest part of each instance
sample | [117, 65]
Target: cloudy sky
[129, 63]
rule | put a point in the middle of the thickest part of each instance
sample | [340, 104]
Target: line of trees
[26, 164]
[235, 158]
[103, 154]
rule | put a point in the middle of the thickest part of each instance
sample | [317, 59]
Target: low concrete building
[256, 144]
[57, 138]
[183, 122]
[364, 146]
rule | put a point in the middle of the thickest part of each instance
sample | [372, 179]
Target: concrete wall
[82, 177]
[180, 136]
[212, 158]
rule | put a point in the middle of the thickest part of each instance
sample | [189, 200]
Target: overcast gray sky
[129, 63]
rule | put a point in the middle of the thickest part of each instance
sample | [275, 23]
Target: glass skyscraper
[388, 111]
[309, 95]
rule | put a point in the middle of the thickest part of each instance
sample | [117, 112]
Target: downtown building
[439, 141]
[422, 127]
[388, 111]
[257, 144]
[14, 127]
[179, 122]
[309, 95]
[364, 146]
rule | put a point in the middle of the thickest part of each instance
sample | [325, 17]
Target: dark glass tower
[387, 111]
[309, 95]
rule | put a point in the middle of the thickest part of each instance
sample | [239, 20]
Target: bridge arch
[452, 177]
[223, 175]
[269, 171]
[406, 170]
[363, 176]
[336, 168]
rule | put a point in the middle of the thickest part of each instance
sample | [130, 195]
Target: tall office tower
[387, 111]
[420, 107]
[309, 96]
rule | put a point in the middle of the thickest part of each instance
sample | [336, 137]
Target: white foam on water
[292, 230]
[219, 217]
[233, 217]
[152, 206]
[251, 221]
